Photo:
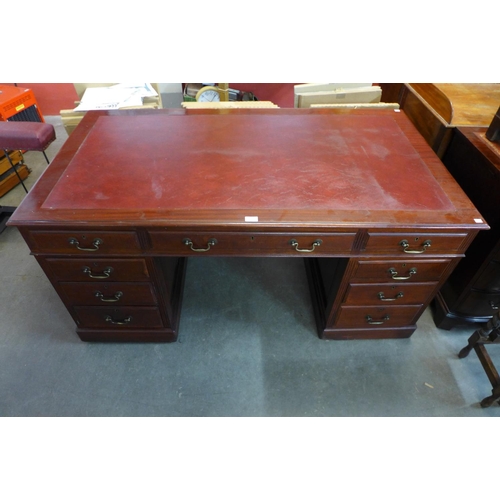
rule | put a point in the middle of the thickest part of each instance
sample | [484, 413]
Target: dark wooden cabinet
[472, 292]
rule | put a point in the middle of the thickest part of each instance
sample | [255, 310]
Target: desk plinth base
[375, 333]
[126, 336]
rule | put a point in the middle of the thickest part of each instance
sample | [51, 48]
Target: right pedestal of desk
[472, 292]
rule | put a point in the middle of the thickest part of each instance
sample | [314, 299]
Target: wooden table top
[467, 104]
[283, 167]
[474, 104]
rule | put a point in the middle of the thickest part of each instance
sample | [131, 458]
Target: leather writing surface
[322, 162]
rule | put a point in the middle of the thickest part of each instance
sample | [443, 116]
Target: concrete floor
[243, 350]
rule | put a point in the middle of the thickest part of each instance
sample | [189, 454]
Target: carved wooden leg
[487, 402]
[473, 339]
[490, 334]
[495, 396]
[481, 335]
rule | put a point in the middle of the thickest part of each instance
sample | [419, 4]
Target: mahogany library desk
[359, 195]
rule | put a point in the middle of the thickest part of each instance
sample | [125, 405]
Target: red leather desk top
[269, 169]
[199, 162]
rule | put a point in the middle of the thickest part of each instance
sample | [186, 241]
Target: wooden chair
[490, 334]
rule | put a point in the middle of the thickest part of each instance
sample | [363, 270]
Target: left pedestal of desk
[113, 291]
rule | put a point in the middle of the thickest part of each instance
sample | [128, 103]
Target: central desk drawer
[123, 294]
[415, 243]
[298, 244]
[400, 271]
[118, 317]
[98, 270]
[80, 242]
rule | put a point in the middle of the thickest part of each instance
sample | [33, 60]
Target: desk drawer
[291, 244]
[383, 293]
[80, 242]
[415, 243]
[376, 317]
[98, 270]
[400, 271]
[122, 294]
[118, 317]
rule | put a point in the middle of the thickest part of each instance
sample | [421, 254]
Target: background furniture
[290, 183]
[228, 105]
[309, 94]
[8, 177]
[71, 118]
[29, 136]
[25, 136]
[490, 334]
[472, 292]
[19, 104]
[437, 108]
[493, 132]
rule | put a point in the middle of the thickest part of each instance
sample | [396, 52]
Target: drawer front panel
[414, 243]
[118, 317]
[376, 317]
[101, 294]
[480, 304]
[490, 278]
[383, 293]
[251, 243]
[98, 270]
[85, 243]
[400, 271]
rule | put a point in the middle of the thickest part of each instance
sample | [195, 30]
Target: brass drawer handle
[405, 245]
[96, 243]
[394, 274]
[126, 321]
[381, 296]
[211, 243]
[373, 322]
[295, 245]
[116, 297]
[105, 274]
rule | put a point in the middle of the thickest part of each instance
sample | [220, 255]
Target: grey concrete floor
[247, 347]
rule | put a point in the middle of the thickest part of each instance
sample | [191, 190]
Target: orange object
[19, 104]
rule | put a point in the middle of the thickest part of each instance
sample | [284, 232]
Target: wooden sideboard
[437, 108]
[358, 194]
[472, 292]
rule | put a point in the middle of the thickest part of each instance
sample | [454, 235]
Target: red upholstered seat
[30, 136]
